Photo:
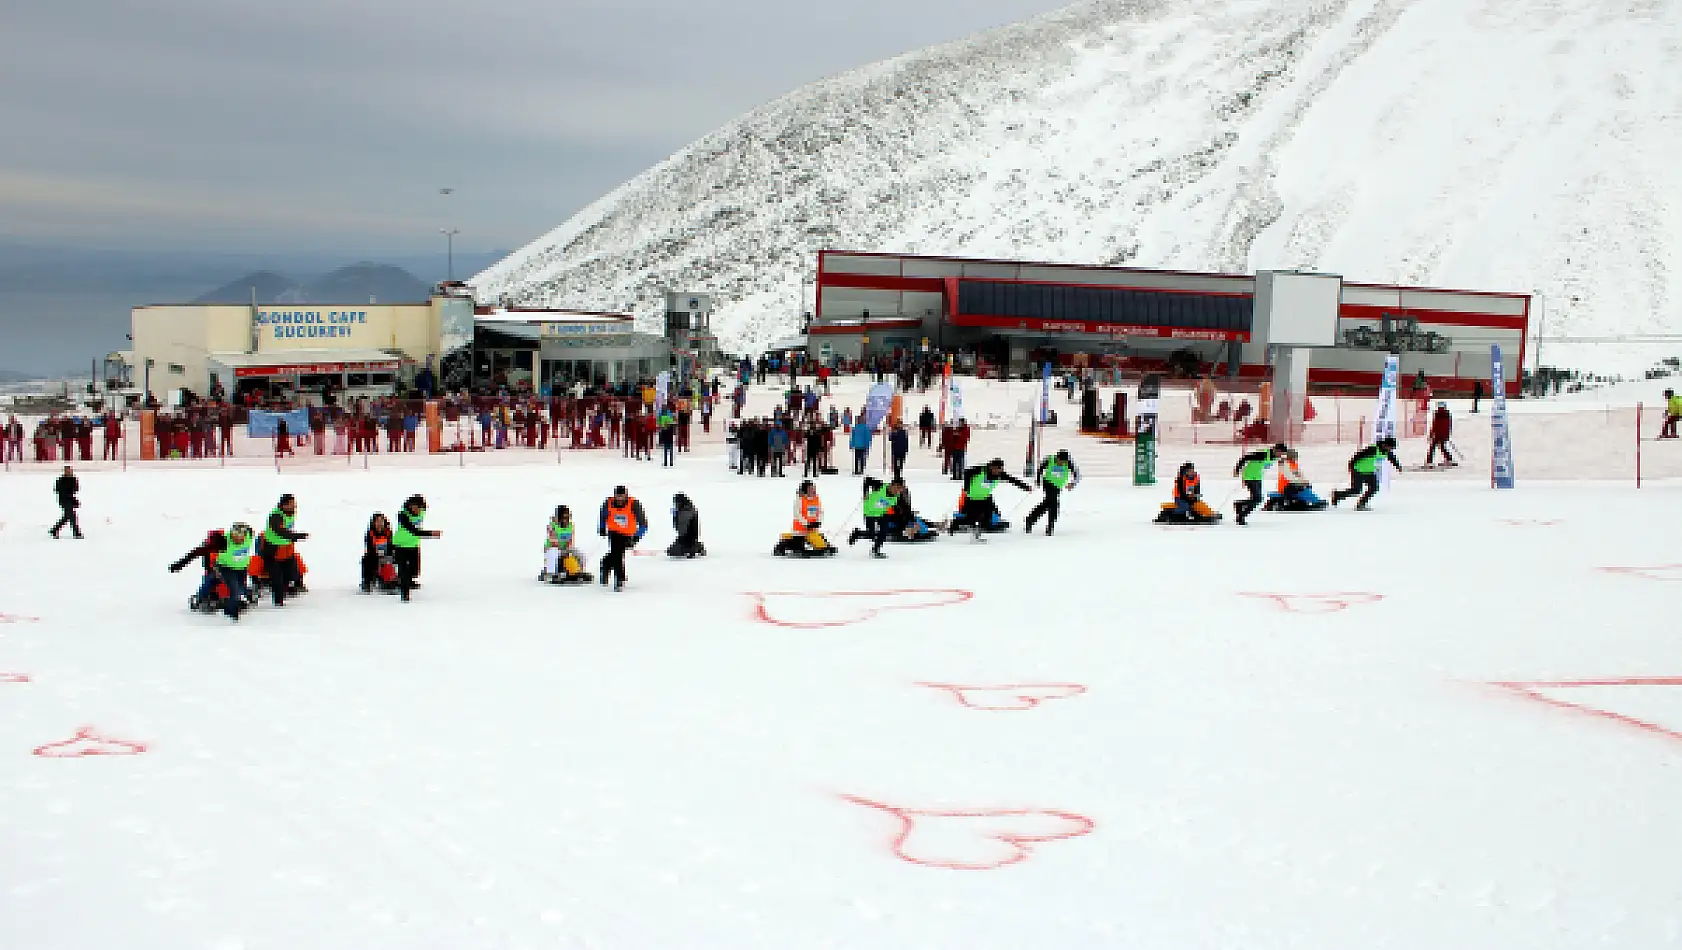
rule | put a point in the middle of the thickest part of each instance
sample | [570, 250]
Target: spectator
[66, 488]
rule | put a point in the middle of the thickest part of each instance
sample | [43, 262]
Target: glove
[815, 525]
[302, 535]
[177, 566]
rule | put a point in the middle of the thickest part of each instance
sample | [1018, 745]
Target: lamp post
[449, 252]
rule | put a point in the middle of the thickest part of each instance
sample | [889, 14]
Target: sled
[808, 545]
[1172, 514]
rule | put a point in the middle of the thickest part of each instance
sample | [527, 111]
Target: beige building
[289, 348]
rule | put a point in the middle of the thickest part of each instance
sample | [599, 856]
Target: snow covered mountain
[1526, 145]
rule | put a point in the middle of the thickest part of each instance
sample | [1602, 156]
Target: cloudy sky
[331, 124]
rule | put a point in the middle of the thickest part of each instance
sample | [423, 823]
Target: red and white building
[1016, 314]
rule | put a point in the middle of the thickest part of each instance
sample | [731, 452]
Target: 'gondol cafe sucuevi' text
[314, 324]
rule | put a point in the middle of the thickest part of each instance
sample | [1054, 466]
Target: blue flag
[877, 404]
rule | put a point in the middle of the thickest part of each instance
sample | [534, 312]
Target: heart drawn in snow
[1316, 603]
[815, 611]
[1018, 697]
[1661, 572]
[1530, 522]
[982, 840]
[14, 677]
[18, 618]
[88, 742]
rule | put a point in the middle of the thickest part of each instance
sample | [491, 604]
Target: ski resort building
[547, 348]
[1016, 315]
[288, 350]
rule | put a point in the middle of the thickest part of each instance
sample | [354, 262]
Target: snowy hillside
[1522, 145]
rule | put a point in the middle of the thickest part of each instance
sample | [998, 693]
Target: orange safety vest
[1293, 469]
[1190, 485]
[622, 520]
[808, 511]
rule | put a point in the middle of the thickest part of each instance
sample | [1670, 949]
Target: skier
[1250, 469]
[1363, 472]
[278, 550]
[805, 540]
[379, 564]
[978, 509]
[562, 561]
[623, 524]
[1054, 475]
[686, 521]
[65, 488]
[411, 528]
[1442, 424]
[879, 502]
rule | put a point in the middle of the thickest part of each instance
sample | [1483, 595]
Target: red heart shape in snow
[14, 677]
[1529, 522]
[18, 618]
[1661, 572]
[815, 611]
[1317, 603]
[982, 840]
[1022, 696]
[88, 742]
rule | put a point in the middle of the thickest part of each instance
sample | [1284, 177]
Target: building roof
[522, 315]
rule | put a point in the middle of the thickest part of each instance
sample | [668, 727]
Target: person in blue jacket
[860, 442]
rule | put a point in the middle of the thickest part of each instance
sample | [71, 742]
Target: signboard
[288, 323]
[264, 425]
[662, 388]
[1045, 392]
[1502, 456]
[1099, 328]
[555, 331]
[1384, 419]
[315, 369]
[954, 396]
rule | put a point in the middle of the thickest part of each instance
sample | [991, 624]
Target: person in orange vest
[1295, 493]
[1188, 506]
[805, 540]
[623, 524]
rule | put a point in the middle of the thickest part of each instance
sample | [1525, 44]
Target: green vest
[560, 535]
[1368, 464]
[402, 537]
[268, 530]
[980, 487]
[1255, 468]
[1057, 474]
[238, 557]
[877, 503]
[666, 419]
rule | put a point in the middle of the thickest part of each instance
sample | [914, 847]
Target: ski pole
[850, 514]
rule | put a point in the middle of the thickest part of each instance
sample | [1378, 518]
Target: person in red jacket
[960, 445]
[1442, 425]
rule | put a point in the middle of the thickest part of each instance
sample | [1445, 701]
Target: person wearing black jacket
[686, 521]
[278, 533]
[405, 541]
[1056, 474]
[215, 542]
[899, 446]
[814, 450]
[66, 488]
[1250, 468]
[1363, 472]
[376, 547]
[622, 523]
[979, 508]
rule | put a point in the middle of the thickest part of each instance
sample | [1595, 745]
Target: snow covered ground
[1289, 735]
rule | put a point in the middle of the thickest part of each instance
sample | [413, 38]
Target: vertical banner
[877, 404]
[955, 396]
[1384, 418]
[1045, 392]
[434, 427]
[662, 389]
[1501, 459]
[945, 384]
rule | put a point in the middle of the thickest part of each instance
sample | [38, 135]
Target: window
[176, 369]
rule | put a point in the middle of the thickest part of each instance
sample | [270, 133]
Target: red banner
[1096, 328]
[315, 369]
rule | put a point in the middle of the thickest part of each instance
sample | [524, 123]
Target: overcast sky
[331, 124]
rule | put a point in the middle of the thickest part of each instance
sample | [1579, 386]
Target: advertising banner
[1501, 473]
[263, 425]
[1384, 419]
[877, 404]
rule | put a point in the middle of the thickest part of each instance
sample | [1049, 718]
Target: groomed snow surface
[1286, 735]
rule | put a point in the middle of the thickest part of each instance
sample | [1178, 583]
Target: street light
[449, 252]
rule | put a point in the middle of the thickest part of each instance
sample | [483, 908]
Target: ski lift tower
[1296, 313]
[689, 330]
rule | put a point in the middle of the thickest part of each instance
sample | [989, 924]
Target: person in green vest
[562, 561]
[239, 544]
[978, 510]
[1250, 470]
[1363, 472]
[279, 560]
[879, 503]
[1056, 474]
[405, 543]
